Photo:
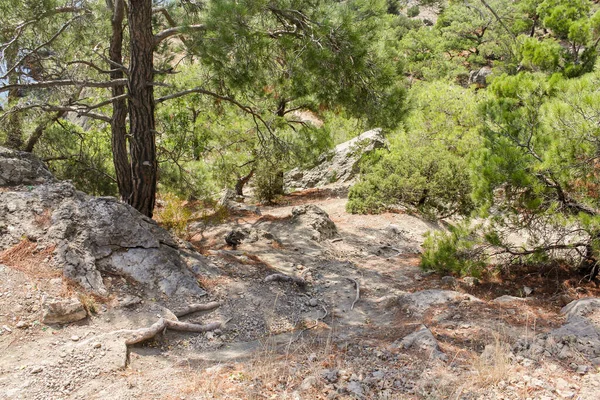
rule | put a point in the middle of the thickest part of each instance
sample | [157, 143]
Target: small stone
[308, 383]
[527, 290]
[356, 389]
[6, 328]
[97, 345]
[449, 280]
[36, 370]
[313, 302]
[22, 325]
[63, 311]
[582, 369]
[378, 374]
[75, 338]
[330, 375]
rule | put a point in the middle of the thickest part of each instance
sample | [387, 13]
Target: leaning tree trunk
[141, 107]
[119, 116]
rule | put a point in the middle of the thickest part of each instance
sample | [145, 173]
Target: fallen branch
[139, 335]
[192, 308]
[285, 278]
[357, 292]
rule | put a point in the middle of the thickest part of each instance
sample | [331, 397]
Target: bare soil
[287, 341]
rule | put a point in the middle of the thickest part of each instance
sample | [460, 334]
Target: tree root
[285, 278]
[133, 336]
[192, 308]
[357, 292]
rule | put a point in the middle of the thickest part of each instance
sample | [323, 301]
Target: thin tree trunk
[14, 123]
[38, 132]
[141, 107]
[242, 181]
[118, 122]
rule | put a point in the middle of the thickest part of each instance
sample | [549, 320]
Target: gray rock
[62, 311]
[581, 307]
[449, 280]
[508, 299]
[479, 77]
[308, 383]
[21, 168]
[418, 302]
[422, 339]
[582, 369]
[315, 221]
[356, 389]
[341, 165]
[330, 375]
[93, 235]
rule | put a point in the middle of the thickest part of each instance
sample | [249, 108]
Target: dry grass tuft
[495, 364]
[269, 374]
[25, 257]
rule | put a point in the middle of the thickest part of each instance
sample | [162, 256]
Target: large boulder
[338, 166]
[93, 236]
[315, 221]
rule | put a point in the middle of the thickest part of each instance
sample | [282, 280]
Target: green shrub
[413, 11]
[268, 182]
[457, 251]
[174, 214]
[430, 179]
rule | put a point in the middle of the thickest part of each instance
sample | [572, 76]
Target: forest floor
[314, 341]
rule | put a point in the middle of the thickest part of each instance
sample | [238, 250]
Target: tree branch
[34, 51]
[66, 82]
[177, 30]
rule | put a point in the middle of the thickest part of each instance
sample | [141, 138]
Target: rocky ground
[310, 303]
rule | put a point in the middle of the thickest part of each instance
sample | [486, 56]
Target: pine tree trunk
[119, 116]
[14, 123]
[141, 107]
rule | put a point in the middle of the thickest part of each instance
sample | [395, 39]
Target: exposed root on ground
[357, 291]
[285, 278]
[192, 308]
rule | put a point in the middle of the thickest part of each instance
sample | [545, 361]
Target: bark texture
[141, 107]
[118, 121]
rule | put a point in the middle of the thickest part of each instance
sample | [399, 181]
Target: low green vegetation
[491, 110]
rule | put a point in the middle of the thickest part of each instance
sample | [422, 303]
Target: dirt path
[312, 341]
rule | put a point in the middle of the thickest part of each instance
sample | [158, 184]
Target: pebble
[6, 328]
[582, 369]
[356, 389]
[22, 325]
[36, 370]
[97, 345]
[75, 338]
[313, 302]
[449, 280]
